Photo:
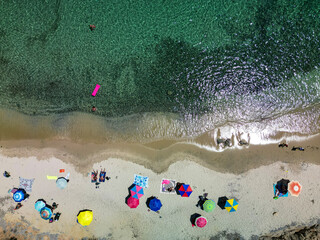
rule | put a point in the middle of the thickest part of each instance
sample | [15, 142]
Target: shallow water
[167, 70]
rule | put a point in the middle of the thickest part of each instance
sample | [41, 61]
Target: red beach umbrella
[133, 202]
[294, 188]
[201, 222]
[185, 190]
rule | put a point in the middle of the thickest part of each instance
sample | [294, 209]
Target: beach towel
[52, 177]
[93, 180]
[26, 184]
[167, 183]
[102, 177]
[280, 194]
[141, 181]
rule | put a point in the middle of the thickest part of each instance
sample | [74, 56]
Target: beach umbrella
[62, 182]
[133, 202]
[19, 195]
[46, 213]
[40, 203]
[231, 205]
[209, 205]
[295, 188]
[85, 217]
[201, 222]
[154, 204]
[185, 190]
[136, 191]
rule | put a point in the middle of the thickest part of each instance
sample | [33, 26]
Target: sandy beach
[246, 175]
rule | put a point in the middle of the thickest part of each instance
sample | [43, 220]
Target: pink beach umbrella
[133, 202]
[201, 222]
[136, 191]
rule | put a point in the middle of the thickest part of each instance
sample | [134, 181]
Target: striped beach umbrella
[133, 202]
[201, 222]
[231, 205]
[62, 182]
[85, 217]
[40, 203]
[46, 213]
[19, 195]
[136, 191]
[185, 190]
[209, 205]
[294, 188]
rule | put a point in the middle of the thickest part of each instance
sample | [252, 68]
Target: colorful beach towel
[280, 194]
[102, 176]
[26, 184]
[141, 181]
[166, 184]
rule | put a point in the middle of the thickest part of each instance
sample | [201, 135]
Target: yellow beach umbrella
[85, 217]
[231, 205]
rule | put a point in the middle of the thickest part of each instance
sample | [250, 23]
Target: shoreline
[236, 161]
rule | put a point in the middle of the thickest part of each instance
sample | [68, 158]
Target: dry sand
[247, 175]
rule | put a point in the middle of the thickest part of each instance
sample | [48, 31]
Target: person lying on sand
[295, 148]
[6, 174]
[57, 216]
[94, 176]
[19, 205]
[54, 205]
[202, 200]
[170, 189]
[102, 176]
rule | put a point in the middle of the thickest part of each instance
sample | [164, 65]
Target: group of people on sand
[102, 177]
[227, 142]
[293, 148]
[56, 215]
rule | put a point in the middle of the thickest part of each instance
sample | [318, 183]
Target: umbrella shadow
[149, 199]
[178, 185]
[41, 199]
[129, 188]
[126, 199]
[222, 202]
[193, 218]
[84, 210]
[282, 185]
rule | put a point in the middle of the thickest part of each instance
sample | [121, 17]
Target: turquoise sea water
[198, 64]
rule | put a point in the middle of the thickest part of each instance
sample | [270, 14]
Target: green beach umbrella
[209, 205]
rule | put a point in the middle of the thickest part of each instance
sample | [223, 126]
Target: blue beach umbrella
[40, 203]
[155, 204]
[62, 182]
[19, 195]
[185, 190]
[46, 213]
